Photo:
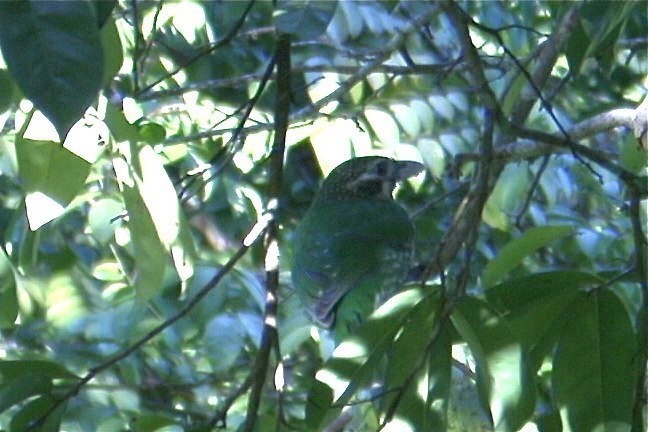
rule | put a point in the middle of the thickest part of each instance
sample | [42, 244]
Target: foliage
[145, 189]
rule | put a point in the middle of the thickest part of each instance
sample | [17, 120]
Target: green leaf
[8, 301]
[505, 199]
[52, 176]
[148, 251]
[8, 294]
[532, 303]
[6, 90]
[53, 51]
[224, 338]
[439, 370]
[595, 365]
[112, 51]
[102, 218]
[598, 29]
[577, 48]
[631, 155]
[103, 10]
[152, 422]
[46, 368]
[305, 19]
[119, 127]
[423, 394]
[383, 126]
[35, 409]
[407, 118]
[21, 387]
[152, 133]
[512, 254]
[159, 196]
[407, 355]
[156, 222]
[356, 357]
[22, 379]
[504, 380]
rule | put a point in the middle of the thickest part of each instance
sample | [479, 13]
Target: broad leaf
[515, 251]
[34, 410]
[305, 19]
[52, 176]
[504, 379]
[595, 365]
[356, 358]
[406, 367]
[53, 51]
[533, 304]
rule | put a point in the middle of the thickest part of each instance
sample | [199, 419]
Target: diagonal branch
[250, 239]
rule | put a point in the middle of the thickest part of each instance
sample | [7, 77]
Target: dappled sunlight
[322, 215]
[351, 348]
[41, 209]
[399, 425]
[63, 301]
[334, 381]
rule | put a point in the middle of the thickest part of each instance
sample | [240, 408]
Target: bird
[354, 243]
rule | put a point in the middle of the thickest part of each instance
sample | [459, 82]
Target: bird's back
[349, 251]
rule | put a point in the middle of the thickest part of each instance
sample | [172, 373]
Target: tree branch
[241, 80]
[523, 148]
[269, 335]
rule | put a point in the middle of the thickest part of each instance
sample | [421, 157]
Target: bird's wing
[340, 247]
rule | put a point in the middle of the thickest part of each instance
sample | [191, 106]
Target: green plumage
[355, 241]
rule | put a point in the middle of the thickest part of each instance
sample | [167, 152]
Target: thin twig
[392, 46]
[219, 420]
[529, 196]
[221, 42]
[241, 80]
[636, 182]
[237, 132]
[522, 149]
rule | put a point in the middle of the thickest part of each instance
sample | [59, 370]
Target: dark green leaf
[533, 304]
[52, 176]
[103, 9]
[46, 368]
[53, 51]
[112, 51]
[305, 19]
[504, 379]
[6, 90]
[8, 294]
[406, 362]
[357, 356]
[17, 388]
[595, 365]
[34, 410]
[152, 133]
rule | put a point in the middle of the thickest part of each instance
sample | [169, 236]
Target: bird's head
[369, 177]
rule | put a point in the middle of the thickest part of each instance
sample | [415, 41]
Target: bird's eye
[381, 168]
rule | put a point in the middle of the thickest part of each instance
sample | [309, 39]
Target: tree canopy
[156, 158]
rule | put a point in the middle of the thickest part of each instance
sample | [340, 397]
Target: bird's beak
[407, 169]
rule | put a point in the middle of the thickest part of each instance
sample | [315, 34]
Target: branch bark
[269, 335]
